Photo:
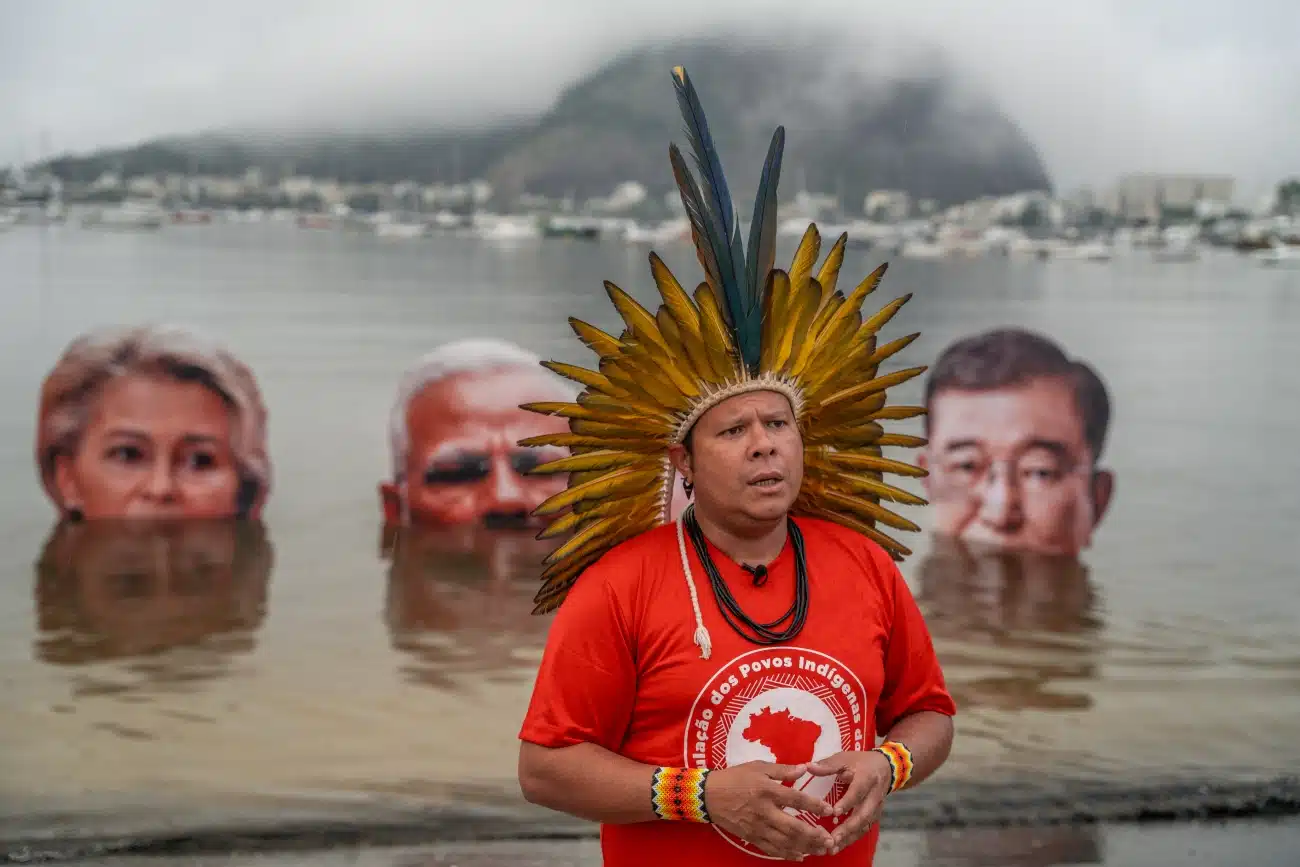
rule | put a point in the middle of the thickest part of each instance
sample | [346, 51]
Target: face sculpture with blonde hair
[152, 422]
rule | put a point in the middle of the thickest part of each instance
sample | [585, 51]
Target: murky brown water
[211, 666]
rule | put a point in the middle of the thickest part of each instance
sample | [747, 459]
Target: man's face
[463, 463]
[746, 460]
[1010, 467]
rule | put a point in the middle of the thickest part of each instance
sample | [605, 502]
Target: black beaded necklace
[763, 633]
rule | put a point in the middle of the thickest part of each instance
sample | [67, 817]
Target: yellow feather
[574, 519]
[889, 350]
[898, 413]
[581, 478]
[830, 305]
[808, 347]
[874, 511]
[609, 485]
[585, 413]
[639, 321]
[717, 340]
[880, 383]
[896, 549]
[830, 270]
[683, 312]
[875, 323]
[613, 530]
[858, 484]
[800, 312]
[856, 436]
[851, 461]
[824, 379]
[673, 337]
[609, 405]
[653, 384]
[805, 257]
[605, 459]
[582, 376]
[556, 588]
[840, 325]
[604, 345]
[645, 362]
[597, 532]
[650, 429]
[636, 442]
[849, 413]
[906, 441]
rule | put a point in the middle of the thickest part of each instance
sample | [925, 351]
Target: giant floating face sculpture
[455, 431]
[1016, 430]
[152, 422]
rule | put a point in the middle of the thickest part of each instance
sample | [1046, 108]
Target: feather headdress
[747, 327]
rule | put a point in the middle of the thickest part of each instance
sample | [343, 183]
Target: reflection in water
[1031, 618]
[460, 601]
[1014, 847]
[139, 592]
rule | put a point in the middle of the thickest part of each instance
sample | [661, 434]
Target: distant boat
[400, 230]
[191, 216]
[1092, 251]
[492, 227]
[560, 228]
[1183, 252]
[316, 221]
[1278, 256]
[923, 250]
[667, 232]
[129, 216]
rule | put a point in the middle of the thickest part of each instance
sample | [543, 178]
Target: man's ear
[390, 501]
[923, 461]
[681, 460]
[1103, 490]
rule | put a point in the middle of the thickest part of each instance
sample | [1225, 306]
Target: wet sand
[281, 824]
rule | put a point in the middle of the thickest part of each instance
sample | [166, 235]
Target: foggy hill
[847, 133]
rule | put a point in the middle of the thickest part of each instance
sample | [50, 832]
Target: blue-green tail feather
[714, 223]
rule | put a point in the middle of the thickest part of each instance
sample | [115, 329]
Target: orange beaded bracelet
[900, 763]
[677, 794]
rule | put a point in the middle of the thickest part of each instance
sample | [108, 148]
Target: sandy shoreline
[1260, 843]
[286, 825]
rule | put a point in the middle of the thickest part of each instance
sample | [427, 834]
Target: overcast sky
[1101, 87]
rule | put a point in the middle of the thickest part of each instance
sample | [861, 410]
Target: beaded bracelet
[677, 794]
[900, 763]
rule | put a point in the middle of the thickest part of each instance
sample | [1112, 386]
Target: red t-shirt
[621, 670]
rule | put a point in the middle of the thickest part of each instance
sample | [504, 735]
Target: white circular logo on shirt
[778, 704]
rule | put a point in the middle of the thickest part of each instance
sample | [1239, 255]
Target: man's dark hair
[1008, 357]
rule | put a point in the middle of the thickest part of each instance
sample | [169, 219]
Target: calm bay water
[324, 664]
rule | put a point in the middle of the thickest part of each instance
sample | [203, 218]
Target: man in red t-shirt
[715, 689]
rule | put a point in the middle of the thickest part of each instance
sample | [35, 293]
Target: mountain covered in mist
[848, 132]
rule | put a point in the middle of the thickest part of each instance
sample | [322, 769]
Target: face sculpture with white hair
[453, 435]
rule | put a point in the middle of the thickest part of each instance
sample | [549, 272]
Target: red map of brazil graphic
[784, 705]
[791, 740]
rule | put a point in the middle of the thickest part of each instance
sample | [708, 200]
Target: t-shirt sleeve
[586, 683]
[914, 681]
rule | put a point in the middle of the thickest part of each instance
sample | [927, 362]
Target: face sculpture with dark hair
[1016, 430]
